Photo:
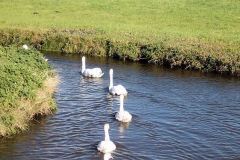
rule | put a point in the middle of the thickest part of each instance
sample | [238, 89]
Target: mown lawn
[151, 20]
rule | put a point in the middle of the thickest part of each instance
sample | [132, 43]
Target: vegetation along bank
[189, 34]
[190, 54]
[26, 87]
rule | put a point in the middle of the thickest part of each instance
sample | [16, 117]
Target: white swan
[107, 156]
[25, 47]
[106, 146]
[122, 115]
[93, 73]
[116, 90]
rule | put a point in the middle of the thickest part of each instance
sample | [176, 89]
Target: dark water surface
[176, 115]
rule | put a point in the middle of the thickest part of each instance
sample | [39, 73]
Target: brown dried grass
[27, 110]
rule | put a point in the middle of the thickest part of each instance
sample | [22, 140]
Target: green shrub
[21, 74]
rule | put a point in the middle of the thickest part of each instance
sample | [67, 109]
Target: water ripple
[176, 115]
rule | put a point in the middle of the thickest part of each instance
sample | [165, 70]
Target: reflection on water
[123, 126]
[176, 115]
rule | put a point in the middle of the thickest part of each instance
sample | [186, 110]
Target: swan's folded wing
[106, 147]
[98, 72]
[120, 90]
[95, 72]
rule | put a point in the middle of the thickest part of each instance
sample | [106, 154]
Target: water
[176, 115]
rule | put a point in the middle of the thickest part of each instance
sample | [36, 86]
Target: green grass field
[210, 20]
[189, 34]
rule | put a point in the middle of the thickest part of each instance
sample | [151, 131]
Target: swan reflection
[123, 126]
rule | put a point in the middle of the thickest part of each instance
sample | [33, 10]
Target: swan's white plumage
[92, 73]
[118, 89]
[107, 156]
[106, 146]
[25, 47]
[122, 115]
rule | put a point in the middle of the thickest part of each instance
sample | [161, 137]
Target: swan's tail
[107, 156]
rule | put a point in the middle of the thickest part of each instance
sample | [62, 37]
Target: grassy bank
[185, 54]
[205, 19]
[27, 85]
[189, 34]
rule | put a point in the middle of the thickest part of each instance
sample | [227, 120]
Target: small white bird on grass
[106, 146]
[25, 47]
[91, 73]
[45, 59]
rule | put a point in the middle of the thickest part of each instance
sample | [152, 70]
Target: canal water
[176, 115]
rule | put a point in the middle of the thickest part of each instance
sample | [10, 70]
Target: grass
[205, 19]
[189, 34]
[26, 84]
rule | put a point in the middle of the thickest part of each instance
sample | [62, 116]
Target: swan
[116, 90]
[106, 146]
[93, 73]
[122, 115]
[107, 156]
[25, 47]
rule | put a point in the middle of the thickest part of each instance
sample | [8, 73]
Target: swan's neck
[121, 109]
[83, 65]
[107, 138]
[111, 81]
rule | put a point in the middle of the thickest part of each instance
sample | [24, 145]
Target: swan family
[107, 146]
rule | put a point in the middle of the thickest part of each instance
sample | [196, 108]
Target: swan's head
[106, 127]
[111, 71]
[83, 58]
